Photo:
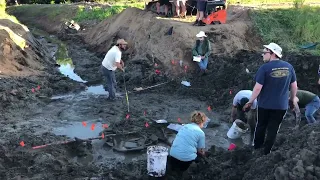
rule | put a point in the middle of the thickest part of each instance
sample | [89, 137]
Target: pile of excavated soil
[146, 34]
[20, 54]
[27, 72]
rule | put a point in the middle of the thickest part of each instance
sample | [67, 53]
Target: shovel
[141, 89]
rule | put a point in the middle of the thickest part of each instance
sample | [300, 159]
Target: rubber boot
[195, 23]
[201, 23]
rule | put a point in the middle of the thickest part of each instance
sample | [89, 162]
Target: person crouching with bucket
[188, 144]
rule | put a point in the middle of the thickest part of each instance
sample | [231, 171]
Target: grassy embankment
[290, 23]
[103, 13]
[66, 12]
[290, 27]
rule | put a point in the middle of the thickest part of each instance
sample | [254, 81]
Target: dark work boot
[201, 23]
[195, 23]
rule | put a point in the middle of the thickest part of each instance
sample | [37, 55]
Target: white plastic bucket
[235, 132]
[157, 160]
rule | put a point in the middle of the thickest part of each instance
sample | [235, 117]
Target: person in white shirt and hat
[273, 80]
[202, 50]
[110, 63]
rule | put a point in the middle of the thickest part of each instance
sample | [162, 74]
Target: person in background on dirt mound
[201, 8]
[273, 80]
[183, 8]
[237, 112]
[188, 144]
[202, 48]
[166, 4]
[110, 63]
[307, 100]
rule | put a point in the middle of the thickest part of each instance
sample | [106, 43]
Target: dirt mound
[148, 40]
[238, 13]
[20, 54]
[27, 72]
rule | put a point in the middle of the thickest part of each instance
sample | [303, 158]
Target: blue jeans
[203, 63]
[311, 108]
[201, 5]
[111, 81]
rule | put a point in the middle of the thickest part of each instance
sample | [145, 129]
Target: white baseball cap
[201, 34]
[275, 48]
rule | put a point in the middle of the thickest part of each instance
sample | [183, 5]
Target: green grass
[44, 10]
[289, 27]
[98, 13]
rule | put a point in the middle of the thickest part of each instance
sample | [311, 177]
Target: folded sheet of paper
[197, 58]
[175, 127]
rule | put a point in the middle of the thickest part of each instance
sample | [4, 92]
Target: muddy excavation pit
[74, 105]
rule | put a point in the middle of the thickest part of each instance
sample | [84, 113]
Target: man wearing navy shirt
[273, 80]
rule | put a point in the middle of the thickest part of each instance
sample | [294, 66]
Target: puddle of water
[59, 52]
[68, 70]
[101, 154]
[99, 90]
[76, 129]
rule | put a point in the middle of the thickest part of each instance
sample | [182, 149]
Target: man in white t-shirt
[110, 63]
[240, 99]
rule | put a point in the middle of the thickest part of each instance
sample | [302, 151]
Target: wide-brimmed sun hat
[275, 48]
[201, 34]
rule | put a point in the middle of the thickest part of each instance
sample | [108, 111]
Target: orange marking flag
[22, 144]
[92, 127]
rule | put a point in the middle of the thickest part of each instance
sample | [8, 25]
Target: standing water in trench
[69, 124]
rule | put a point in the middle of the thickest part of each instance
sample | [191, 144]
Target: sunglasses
[265, 52]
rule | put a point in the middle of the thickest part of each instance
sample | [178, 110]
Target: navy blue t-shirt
[276, 77]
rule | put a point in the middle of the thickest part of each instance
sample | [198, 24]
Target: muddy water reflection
[68, 70]
[59, 52]
[100, 153]
[76, 129]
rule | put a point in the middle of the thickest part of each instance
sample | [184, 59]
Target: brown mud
[57, 110]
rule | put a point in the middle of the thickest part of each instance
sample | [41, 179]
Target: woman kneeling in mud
[188, 144]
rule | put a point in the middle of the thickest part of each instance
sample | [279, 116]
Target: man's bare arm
[293, 90]
[297, 111]
[233, 113]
